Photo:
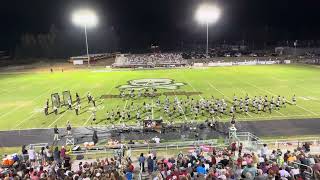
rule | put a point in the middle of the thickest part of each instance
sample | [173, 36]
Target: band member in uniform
[132, 93]
[122, 94]
[259, 108]
[270, 108]
[138, 115]
[77, 108]
[55, 110]
[108, 116]
[59, 99]
[231, 110]
[294, 100]
[278, 105]
[246, 109]
[284, 101]
[89, 97]
[69, 103]
[265, 105]
[78, 99]
[46, 108]
[94, 112]
[93, 101]
[233, 120]
[47, 103]
[129, 115]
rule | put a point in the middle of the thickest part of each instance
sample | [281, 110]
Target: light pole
[85, 18]
[207, 14]
[207, 48]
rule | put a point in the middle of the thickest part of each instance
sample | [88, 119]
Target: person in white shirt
[32, 155]
[156, 139]
[284, 173]
[264, 150]
[261, 159]
[295, 171]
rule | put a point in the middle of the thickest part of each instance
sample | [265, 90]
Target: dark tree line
[62, 44]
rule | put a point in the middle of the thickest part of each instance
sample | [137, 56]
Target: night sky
[137, 23]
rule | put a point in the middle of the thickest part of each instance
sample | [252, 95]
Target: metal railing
[249, 136]
[38, 145]
[309, 170]
[138, 147]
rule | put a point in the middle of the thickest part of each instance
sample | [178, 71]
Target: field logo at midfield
[149, 83]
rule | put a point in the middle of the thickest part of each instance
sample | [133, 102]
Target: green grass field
[23, 95]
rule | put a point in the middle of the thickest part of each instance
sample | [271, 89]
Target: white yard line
[57, 119]
[25, 120]
[279, 113]
[270, 117]
[191, 86]
[219, 91]
[249, 114]
[16, 85]
[35, 113]
[73, 87]
[125, 105]
[184, 114]
[22, 104]
[87, 120]
[269, 92]
[306, 110]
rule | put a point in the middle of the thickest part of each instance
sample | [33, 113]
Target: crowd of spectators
[200, 163]
[157, 59]
[233, 164]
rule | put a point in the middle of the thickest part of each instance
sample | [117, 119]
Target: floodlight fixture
[207, 14]
[85, 18]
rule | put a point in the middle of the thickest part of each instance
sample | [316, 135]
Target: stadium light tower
[85, 18]
[207, 14]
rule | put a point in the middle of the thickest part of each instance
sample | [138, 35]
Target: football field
[23, 95]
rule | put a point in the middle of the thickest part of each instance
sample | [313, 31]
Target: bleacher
[149, 60]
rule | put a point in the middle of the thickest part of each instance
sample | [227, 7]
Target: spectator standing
[264, 150]
[24, 152]
[32, 155]
[141, 162]
[56, 155]
[63, 152]
[150, 164]
[43, 156]
[48, 154]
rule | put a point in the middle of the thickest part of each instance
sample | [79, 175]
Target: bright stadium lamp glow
[207, 14]
[85, 18]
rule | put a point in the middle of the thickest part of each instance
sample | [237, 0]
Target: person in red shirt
[34, 176]
[40, 171]
[130, 167]
[233, 147]
[213, 160]
[239, 161]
